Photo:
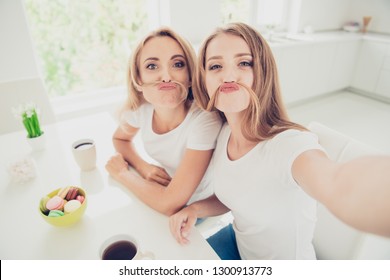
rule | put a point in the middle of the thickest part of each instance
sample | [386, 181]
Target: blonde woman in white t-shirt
[176, 134]
[268, 171]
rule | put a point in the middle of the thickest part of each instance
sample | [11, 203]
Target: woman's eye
[246, 63]
[214, 67]
[179, 64]
[151, 66]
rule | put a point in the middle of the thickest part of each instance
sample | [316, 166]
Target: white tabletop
[111, 209]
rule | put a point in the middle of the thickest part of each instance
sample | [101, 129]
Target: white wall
[378, 9]
[194, 19]
[17, 58]
[333, 14]
[323, 14]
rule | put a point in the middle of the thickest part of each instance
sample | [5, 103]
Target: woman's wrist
[125, 176]
[196, 210]
[141, 168]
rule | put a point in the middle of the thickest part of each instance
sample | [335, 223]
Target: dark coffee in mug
[120, 250]
[84, 145]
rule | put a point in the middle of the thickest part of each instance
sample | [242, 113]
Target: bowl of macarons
[64, 206]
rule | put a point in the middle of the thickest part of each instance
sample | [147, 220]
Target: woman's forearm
[361, 194]
[128, 151]
[156, 196]
[209, 207]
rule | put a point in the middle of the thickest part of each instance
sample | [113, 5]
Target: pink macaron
[55, 203]
[72, 193]
[80, 198]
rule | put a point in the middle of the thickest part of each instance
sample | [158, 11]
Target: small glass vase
[37, 143]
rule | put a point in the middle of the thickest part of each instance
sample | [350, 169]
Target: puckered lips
[229, 87]
[166, 86]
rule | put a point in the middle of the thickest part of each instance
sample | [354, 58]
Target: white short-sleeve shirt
[273, 217]
[198, 131]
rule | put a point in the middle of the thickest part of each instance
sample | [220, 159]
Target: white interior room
[328, 75]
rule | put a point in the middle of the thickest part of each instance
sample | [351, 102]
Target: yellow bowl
[69, 218]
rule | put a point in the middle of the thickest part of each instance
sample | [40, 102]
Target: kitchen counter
[283, 40]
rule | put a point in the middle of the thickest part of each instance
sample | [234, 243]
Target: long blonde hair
[135, 97]
[266, 114]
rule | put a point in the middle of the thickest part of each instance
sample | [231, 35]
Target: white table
[111, 210]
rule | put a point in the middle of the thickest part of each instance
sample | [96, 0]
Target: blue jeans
[224, 243]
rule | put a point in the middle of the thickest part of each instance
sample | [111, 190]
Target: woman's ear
[138, 86]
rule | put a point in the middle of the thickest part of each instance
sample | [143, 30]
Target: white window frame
[289, 17]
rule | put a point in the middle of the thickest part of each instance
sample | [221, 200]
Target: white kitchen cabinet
[305, 70]
[293, 66]
[344, 64]
[335, 62]
[322, 56]
[369, 65]
[383, 86]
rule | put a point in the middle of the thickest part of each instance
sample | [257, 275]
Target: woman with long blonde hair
[176, 133]
[268, 171]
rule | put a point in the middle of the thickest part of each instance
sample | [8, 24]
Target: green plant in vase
[29, 114]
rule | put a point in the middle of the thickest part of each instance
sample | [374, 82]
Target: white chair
[333, 239]
[13, 93]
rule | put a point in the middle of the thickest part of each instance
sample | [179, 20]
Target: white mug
[84, 152]
[123, 247]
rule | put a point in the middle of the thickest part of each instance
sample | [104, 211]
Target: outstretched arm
[165, 199]
[357, 192]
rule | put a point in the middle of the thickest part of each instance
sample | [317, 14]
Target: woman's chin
[168, 100]
[232, 107]
[232, 102]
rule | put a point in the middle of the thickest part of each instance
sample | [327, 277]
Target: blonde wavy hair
[135, 97]
[266, 115]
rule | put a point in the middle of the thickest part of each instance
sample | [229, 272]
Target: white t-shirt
[198, 131]
[273, 217]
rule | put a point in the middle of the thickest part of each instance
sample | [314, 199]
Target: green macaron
[56, 213]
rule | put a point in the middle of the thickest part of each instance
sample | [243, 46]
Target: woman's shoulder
[294, 134]
[294, 140]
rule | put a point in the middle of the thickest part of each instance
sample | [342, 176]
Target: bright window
[84, 45]
[270, 12]
[236, 11]
[263, 14]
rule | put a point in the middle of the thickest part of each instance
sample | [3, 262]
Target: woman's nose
[230, 75]
[166, 75]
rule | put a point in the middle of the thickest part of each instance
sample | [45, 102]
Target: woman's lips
[229, 87]
[166, 86]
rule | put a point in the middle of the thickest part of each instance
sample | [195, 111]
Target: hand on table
[117, 166]
[181, 223]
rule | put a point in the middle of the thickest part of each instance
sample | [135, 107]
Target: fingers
[163, 173]
[159, 175]
[163, 177]
[186, 227]
[116, 164]
[175, 225]
[160, 180]
[180, 225]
